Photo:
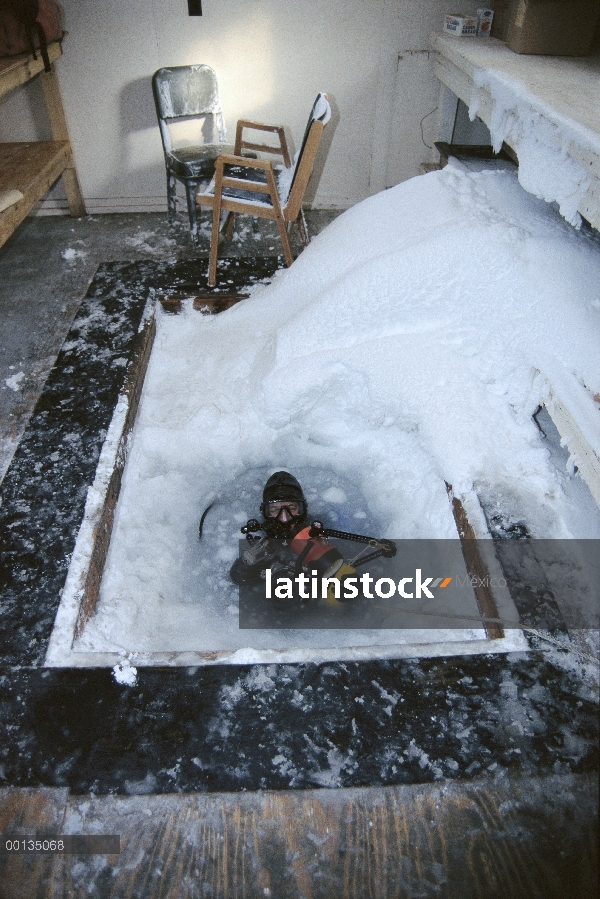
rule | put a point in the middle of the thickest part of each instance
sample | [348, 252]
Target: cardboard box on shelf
[500, 23]
[485, 18]
[458, 24]
[552, 27]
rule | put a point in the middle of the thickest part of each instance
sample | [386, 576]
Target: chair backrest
[305, 159]
[182, 92]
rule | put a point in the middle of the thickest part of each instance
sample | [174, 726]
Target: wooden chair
[254, 187]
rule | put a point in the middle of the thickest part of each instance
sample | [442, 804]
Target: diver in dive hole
[291, 546]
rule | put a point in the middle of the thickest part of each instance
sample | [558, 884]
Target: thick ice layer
[409, 345]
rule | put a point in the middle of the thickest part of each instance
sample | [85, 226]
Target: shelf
[17, 70]
[33, 167]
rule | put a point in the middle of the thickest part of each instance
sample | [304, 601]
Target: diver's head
[283, 506]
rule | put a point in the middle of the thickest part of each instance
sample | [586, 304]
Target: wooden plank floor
[29, 812]
[489, 838]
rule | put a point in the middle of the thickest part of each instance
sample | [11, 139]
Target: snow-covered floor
[409, 345]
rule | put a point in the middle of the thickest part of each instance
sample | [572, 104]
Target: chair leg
[214, 237]
[214, 246]
[191, 189]
[229, 226]
[302, 228]
[171, 195]
[287, 250]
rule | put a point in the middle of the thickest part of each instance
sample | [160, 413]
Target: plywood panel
[490, 838]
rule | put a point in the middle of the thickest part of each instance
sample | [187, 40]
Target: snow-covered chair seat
[255, 187]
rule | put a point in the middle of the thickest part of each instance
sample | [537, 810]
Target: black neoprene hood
[283, 485]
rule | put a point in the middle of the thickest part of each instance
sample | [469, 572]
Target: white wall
[271, 58]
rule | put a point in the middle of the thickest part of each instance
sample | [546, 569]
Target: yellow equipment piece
[343, 571]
